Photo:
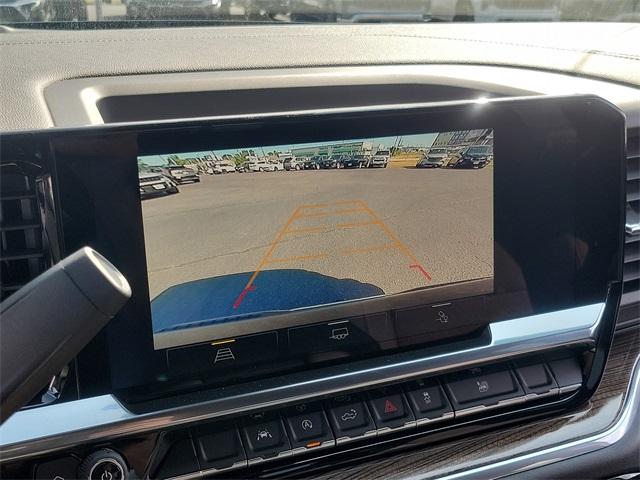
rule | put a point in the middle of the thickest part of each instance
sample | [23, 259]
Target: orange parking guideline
[363, 207]
[319, 228]
[373, 248]
[356, 224]
[293, 259]
[314, 205]
[415, 262]
[337, 212]
[249, 286]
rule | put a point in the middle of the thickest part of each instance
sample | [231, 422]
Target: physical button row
[269, 435]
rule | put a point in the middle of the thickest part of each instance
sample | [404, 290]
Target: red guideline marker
[422, 270]
[243, 294]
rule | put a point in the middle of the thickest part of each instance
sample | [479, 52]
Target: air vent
[21, 247]
[631, 290]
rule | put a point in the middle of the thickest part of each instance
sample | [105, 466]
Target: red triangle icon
[389, 407]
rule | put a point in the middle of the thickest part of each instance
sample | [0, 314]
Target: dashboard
[144, 406]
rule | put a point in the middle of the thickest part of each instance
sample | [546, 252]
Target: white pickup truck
[380, 159]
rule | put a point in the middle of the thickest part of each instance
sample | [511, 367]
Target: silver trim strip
[627, 424]
[73, 102]
[632, 228]
[59, 426]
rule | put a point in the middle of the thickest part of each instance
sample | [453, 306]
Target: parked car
[180, 174]
[294, 163]
[185, 9]
[434, 158]
[17, 11]
[333, 161]
[243, 167]
[154, 184]
[380, 159]
[358, 10]
[262, 165]
[475, 156]
[356, 161]
[224, 166]
[495, 10]
[277, 166]
[313, 163]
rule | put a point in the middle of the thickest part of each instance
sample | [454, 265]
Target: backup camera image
[232, 235]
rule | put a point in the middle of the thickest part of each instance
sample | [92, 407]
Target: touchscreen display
[236, 234]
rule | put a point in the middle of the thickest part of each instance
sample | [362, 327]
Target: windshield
[437, 151]
[168, 13]
[484, 150]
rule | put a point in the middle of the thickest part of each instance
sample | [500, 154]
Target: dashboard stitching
[225, 37]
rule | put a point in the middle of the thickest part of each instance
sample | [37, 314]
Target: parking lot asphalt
[391, 229]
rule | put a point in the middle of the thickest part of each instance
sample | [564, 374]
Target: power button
[104, 464]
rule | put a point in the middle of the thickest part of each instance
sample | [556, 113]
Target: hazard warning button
[390, 409]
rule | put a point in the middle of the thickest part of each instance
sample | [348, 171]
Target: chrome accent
[632, 228]
[484, 408]
[385, 430]
[627, 423]
[254, 461]
[74, 102]
[59, 426]
[554, 392]
[369, 433]
[107, 460]
[325, 444]
[235, 466]
[425, 421]
[569, 388]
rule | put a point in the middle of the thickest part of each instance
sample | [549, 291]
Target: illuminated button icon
[263, 434]
[426, 397]
[339, 333]
[224, 354]
[349, 415]
[106, 475]
[389, 407]
[442, 317]
[306, 424]
[483, 386]
[301, 407]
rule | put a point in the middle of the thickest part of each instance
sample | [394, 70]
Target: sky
[422, 140]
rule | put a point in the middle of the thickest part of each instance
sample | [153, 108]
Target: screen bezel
[126, 345]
